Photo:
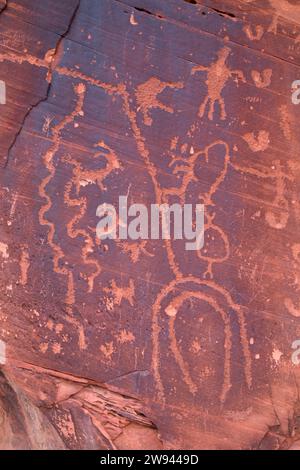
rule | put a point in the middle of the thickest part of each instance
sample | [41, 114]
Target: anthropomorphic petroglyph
[218, 73]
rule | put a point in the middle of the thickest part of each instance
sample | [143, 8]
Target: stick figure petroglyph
[217, 76]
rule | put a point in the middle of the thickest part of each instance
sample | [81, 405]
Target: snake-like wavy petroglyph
[81, 203]
[218, 73]
[146, 96]
[81, 178]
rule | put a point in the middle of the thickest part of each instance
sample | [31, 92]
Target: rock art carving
[263, 79]
[218, 74]
[147, 97]
[178, 299]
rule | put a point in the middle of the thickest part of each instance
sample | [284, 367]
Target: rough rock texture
[121, 344]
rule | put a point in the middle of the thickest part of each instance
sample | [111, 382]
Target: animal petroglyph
[147, 97]
[289, 304]
[217, 76]
[4, 250]
[135, 249]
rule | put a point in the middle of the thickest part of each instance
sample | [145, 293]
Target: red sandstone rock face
[122, 344]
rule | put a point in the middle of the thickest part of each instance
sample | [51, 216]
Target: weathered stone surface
[117, 345]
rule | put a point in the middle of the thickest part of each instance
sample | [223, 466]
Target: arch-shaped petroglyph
[218, 73]
[172, 310]
[210, 295]
[262, 79]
